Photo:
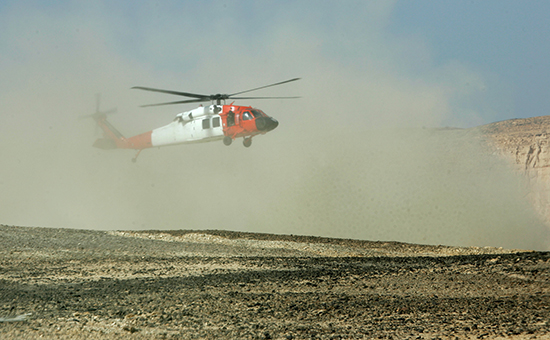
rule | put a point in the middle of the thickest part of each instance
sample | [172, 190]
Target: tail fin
[112, 138]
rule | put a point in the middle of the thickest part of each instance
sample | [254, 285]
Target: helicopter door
[212, 127]
[217, 123]
[230, 118]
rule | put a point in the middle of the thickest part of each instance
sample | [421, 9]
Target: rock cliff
[525, 144]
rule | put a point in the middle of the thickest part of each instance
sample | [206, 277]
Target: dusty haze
[350, 159]
[413, 185]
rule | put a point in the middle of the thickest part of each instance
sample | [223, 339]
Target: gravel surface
[82, 284]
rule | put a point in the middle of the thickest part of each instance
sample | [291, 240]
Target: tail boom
[113, 139]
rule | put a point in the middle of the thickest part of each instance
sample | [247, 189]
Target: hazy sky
[507, 42]
[365, 66]
[474, 62]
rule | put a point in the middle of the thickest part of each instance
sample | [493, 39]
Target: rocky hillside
[525, 143]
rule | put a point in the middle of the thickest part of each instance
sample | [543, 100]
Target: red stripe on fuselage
[142, 141]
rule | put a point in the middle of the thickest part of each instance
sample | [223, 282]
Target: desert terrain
[82, 284]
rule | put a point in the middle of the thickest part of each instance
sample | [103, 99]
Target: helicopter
[203, 124]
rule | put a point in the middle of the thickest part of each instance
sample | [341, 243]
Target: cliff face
[525, 144]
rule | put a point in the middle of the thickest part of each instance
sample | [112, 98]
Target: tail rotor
[98, 114]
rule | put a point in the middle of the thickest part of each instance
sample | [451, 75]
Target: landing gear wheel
[227, 140]
[247, 142]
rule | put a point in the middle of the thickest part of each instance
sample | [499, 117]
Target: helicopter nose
[266, 123]
[273, 123]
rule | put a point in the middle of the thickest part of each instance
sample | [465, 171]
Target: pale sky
[506, 41]
[445, 62]
[367, 68]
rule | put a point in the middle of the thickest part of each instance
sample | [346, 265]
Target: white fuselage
[202, 124]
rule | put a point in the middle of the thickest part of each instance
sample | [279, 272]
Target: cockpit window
[256, 113]
[247, 115]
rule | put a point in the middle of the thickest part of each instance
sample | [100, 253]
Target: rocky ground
[81, 284]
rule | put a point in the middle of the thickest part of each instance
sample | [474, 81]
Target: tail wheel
[227, 140]
[247, 142]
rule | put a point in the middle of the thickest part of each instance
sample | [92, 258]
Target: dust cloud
[434, 186]
[429, 186]
[349, 159]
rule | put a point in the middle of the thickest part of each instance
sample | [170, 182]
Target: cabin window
[247, 115]
[216, 122]
[206, 123]
[256, 113]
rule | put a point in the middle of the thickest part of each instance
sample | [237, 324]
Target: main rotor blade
[186, 94]
[264, 97]
[263, 87]
[179, 102]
